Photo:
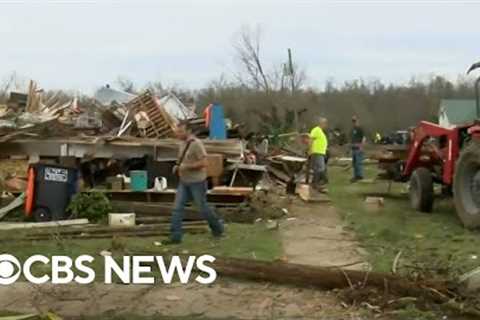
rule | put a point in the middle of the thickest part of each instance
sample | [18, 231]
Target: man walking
[192, 173]
[318, 152]
[358, 141]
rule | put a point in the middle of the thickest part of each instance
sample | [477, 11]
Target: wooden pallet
[161, 124]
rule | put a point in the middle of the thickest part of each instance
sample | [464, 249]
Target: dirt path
[224, 300]
[316, 236]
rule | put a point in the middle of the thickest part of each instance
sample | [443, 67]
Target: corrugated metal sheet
[176, 108]
[107, 95]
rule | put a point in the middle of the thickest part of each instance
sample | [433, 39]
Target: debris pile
[114, 133]
[26, 114]
[110, 112]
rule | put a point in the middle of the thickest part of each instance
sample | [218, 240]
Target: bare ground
[232, 300]
[316, 237]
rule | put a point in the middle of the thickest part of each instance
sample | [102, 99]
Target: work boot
[170, 242]
[356, 179]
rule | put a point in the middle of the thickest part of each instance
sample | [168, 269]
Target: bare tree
[126, 84]
[281, 78]
[157, 87]
[247, 47]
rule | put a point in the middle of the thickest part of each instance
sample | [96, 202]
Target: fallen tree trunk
[327, 277]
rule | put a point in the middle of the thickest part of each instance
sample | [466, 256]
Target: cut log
[325, 277]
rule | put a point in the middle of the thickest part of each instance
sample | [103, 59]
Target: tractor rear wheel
[466, 186]
[421, 190]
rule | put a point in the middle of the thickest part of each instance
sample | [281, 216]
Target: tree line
[381, 108]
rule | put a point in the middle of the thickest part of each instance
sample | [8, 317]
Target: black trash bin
[53, 188]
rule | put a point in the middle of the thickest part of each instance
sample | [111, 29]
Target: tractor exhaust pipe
[477, 98]
[477, 84]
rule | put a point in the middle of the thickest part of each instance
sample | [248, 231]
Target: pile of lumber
[286, 168]
[48, 105]
[30, 113]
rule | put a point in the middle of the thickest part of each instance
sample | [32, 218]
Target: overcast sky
[84, 44]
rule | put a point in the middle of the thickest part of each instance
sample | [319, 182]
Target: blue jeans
[319, 170]
[357, 162]
[197, 192]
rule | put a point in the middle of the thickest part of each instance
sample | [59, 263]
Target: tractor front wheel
[421, 190]
[466, 186]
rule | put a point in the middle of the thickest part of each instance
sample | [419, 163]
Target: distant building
[453, 112]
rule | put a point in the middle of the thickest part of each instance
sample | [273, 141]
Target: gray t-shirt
[196, 152]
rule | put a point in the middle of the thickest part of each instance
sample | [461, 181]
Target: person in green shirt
[358, 141]
[318, 153]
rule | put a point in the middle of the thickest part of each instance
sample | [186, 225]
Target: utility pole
[291, 73]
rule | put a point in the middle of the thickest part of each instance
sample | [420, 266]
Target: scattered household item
[374, 203]
[216, 122]
[375, 200]
[215, 167]
[115, 183]
[49, 191]
[138, 180]
[121, 219]
[160, 184]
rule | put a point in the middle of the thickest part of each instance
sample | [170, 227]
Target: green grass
[435, 241]
[252, 241]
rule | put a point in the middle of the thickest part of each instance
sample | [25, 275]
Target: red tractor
[447, 156]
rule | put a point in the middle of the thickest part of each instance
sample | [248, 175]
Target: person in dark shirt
[358, 141]
[191, 169]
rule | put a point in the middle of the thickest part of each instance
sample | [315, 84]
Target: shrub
[91, 205]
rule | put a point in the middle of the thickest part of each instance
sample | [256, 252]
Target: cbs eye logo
[8, 264]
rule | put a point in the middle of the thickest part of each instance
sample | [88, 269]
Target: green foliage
[91, 205]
